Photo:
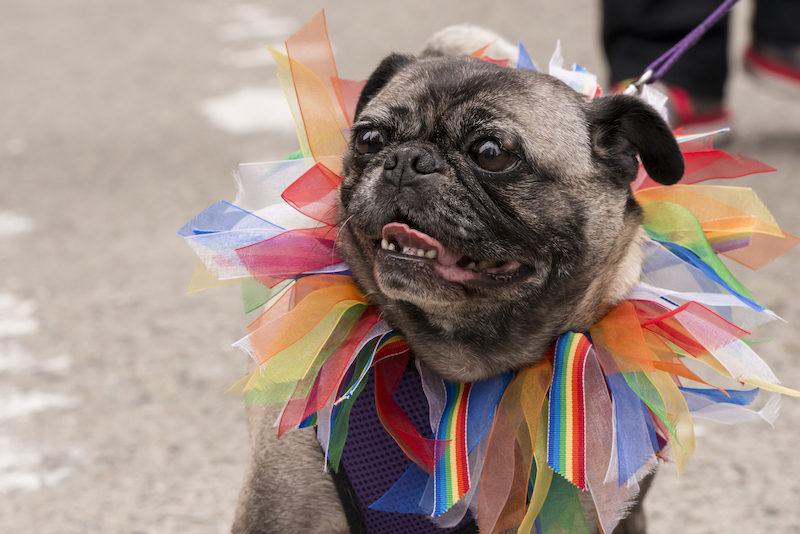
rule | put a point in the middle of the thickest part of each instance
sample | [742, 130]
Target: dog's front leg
[285, 489]
[635, 523]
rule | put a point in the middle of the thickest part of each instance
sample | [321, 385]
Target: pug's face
[486, 210]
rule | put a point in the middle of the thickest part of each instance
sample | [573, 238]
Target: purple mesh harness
[372, 462]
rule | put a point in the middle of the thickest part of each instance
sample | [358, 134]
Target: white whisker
[339, 233]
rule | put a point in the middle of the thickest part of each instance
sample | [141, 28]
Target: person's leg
[777, 22]
[636, 32]
[774, 56]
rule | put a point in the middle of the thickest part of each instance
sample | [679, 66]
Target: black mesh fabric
[373, 461]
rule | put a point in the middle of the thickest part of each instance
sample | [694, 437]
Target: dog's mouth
[399, 240]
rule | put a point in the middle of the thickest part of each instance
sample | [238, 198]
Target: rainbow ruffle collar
[597, 413]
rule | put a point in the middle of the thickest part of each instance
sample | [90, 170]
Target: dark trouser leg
[777, 22]
[636, 32]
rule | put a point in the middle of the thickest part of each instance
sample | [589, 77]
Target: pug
[485, 210]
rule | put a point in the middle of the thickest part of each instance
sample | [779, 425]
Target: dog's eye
[369, 142]
[489, 155]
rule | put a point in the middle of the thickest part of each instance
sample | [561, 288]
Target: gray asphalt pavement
[119, 121]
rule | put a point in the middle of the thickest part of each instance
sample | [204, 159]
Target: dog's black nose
[410, 164]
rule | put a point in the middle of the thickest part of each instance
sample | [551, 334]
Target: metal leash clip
[635, 88]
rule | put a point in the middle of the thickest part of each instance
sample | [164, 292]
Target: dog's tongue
[407, 237]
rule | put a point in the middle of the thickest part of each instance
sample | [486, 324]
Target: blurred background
[119, 121]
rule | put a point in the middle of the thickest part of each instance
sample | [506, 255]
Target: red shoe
[775, 66]
[693, 114]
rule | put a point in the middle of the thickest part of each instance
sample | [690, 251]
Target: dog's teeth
[431, 254]
[384, 244]
[392, 247]
[421, 253]
[484, 264]
[471, 266]
[492, 263]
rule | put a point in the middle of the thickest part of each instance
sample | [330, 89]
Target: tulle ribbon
[595, 414]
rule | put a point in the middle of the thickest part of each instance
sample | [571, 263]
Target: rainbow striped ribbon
[451, 473]
[566, 427]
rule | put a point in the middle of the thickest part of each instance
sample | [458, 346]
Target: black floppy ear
[623, 126]
[390, 66]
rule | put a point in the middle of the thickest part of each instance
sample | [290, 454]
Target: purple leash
[657, 68]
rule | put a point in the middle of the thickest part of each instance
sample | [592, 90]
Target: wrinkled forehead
[448, 100]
